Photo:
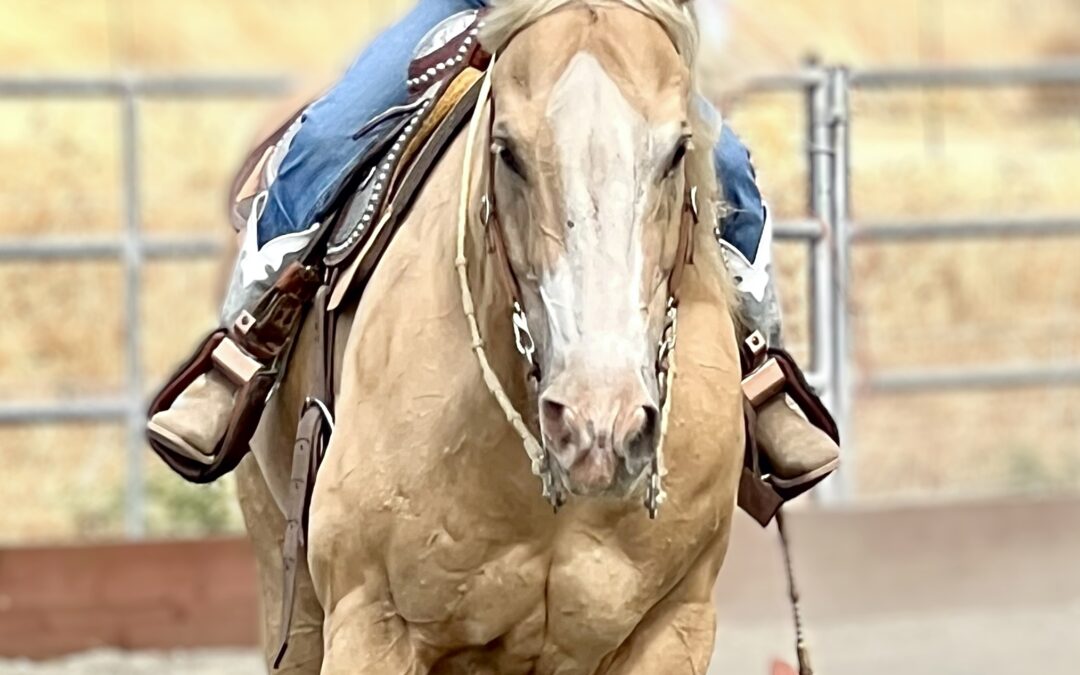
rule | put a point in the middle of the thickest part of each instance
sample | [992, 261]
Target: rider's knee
[743, 215]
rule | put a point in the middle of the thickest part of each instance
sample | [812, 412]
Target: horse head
[597, 160]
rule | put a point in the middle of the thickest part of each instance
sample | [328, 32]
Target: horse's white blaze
[594, 293]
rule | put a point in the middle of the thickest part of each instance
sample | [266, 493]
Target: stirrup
[769, 373]
[218, 352]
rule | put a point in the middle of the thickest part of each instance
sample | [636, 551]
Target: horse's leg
[677, 635]
[366, 636]
[266, 526]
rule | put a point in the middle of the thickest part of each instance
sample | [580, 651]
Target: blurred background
[921, 158]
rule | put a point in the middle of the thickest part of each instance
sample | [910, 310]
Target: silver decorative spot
[440, 67]
[459, 58]
[423, 78]
[463, 49]
[432, 72]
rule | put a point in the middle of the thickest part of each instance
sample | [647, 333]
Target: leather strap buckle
[754, 349]
[764, 383]
[235, 363]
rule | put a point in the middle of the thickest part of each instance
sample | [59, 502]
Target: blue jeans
[323, 154]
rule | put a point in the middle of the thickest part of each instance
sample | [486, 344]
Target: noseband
[526, 346]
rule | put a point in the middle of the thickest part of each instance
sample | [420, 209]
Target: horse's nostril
[639, 433]
[557, 422]
[652, 415]
[552, 410]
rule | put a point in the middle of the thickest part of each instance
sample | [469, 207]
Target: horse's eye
[506, 154]
[678, 156]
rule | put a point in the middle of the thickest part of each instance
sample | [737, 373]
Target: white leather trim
[255, 264]
[752, 278]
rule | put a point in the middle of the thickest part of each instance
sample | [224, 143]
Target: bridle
[526, 346]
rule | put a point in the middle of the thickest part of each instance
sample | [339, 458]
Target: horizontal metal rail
[1001, 377]
[143, 86]
[65, 410]
[1061, 72]
[106, 249]
[781, 82]
[807, 228]
[965, 228]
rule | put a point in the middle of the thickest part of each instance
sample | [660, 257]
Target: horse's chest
[470, 590]
[514, 603]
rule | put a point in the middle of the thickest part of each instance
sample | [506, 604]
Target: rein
[526, 346]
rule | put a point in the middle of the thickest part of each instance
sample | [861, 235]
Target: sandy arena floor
[1000, 643]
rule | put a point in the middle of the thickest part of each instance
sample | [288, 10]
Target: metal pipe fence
[829, 231]
[828, 91]
[132, 248]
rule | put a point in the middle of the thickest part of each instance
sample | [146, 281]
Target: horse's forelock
[678, 18]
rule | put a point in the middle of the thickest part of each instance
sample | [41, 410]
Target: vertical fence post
[842, 375]
[819, 157]
[134, 506]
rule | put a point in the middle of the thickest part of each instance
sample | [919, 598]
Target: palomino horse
[430, 547]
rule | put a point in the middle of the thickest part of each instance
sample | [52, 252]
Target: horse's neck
[417, 278]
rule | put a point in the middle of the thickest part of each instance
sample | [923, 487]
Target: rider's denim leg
[323, 153]
[744, 221]
[747, 233]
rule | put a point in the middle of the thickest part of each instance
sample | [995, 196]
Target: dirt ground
[989, 643]
[962, 643]
[108, 662]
